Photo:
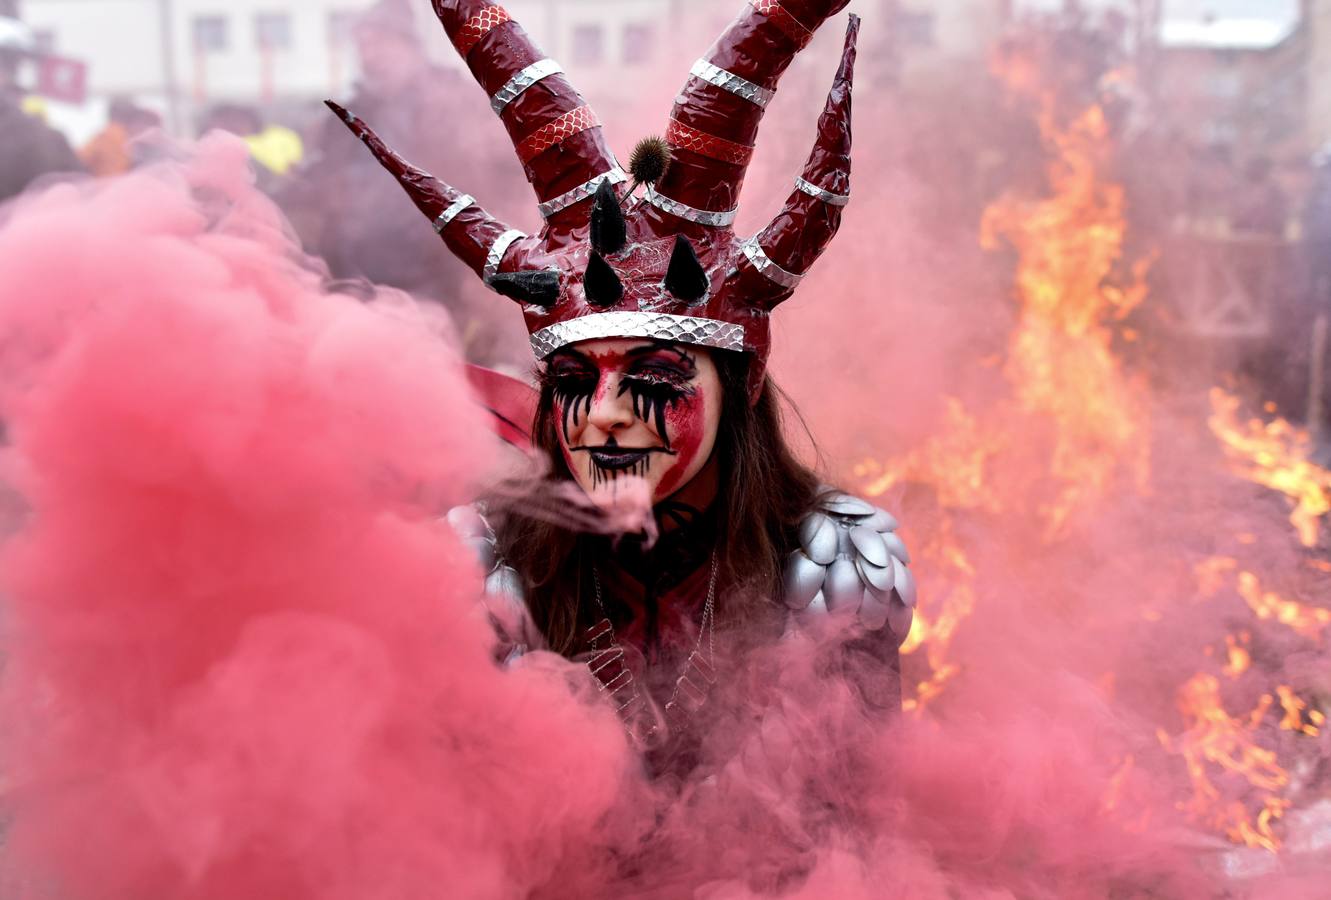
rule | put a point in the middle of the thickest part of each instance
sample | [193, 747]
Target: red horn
[557, 135]
[476, 237]
[780, 255]
[714, 122]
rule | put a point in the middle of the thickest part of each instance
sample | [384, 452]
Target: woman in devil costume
[649, 319]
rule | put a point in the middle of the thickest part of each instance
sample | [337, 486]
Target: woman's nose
[610, 409]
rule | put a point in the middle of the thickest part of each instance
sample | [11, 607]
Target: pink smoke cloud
[244, 655]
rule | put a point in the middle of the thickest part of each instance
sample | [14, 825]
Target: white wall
[120, 39]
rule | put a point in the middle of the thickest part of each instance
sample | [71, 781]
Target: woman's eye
[655, 384]
[668, 374]
[573, 382]
[652, 395]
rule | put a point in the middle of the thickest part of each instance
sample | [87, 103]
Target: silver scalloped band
[697, 216]
[729, 81]
[763, 263]
[582, 191]
[827, 197]
[497, 251]
[543, 68]
[451, 213]
[637, 324]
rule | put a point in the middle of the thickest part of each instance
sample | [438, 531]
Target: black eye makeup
[572, 383]
[656, 377]
[653, 391]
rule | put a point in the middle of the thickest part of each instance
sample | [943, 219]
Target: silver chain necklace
[616, 679]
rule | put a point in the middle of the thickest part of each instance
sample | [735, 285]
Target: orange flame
[1072, 403]
[1062, 370]
[1215, 739]
[1275, 454]
[1298, 717]
[1061, 358]
[1239, 659]
[1308, 621]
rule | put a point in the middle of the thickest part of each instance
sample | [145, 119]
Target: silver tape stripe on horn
[763, 263]
[582, 192]
[698, 216]
[638, 324]
[451, 213]
[827, 197]
[543, 68]
[497, 251]
[729, 81]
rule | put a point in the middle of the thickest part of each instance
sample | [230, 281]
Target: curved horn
[715, 119]
[557, 135]
[780, 255]
[474, 236]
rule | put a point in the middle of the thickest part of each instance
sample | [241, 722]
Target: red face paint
[658, 383]
[687, 424]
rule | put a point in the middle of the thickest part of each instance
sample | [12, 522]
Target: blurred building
[1236, 84]
[183, 57]
[180, 57]
[1317, 23]
[922, 37]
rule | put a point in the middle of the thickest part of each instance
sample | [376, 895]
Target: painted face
[635, 407]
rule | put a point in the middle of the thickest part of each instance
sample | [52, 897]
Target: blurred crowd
[345, 210]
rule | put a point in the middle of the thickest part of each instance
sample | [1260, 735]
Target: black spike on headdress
[540, 288]
[686, 278]
[609, 232]
[600, 283]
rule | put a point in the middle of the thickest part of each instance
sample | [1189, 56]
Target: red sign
[60, 78]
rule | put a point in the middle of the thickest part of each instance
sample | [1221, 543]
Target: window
[588, 45]
[272, 31]
[638, 43]
[210, 34]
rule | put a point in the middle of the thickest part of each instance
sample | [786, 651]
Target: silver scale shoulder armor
[850, 557]
[505, 600]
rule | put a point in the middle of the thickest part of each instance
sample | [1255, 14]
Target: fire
[1275, 454]
[1214, 739]
[1215, 572]
[1066, 383]
[1061, 360]
[1298, 717]
[1075, 429]
[955, 464]
[1238, 659]
[935, 634]
[1308, 621]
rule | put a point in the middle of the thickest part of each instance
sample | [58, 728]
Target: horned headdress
[669, 266]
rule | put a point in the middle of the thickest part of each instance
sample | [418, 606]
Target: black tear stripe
[602, 476]
[651, 398]
[570, 397]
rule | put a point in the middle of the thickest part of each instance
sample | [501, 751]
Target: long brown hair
[763, 493]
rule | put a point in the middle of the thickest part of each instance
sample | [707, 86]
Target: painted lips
[618, 459]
